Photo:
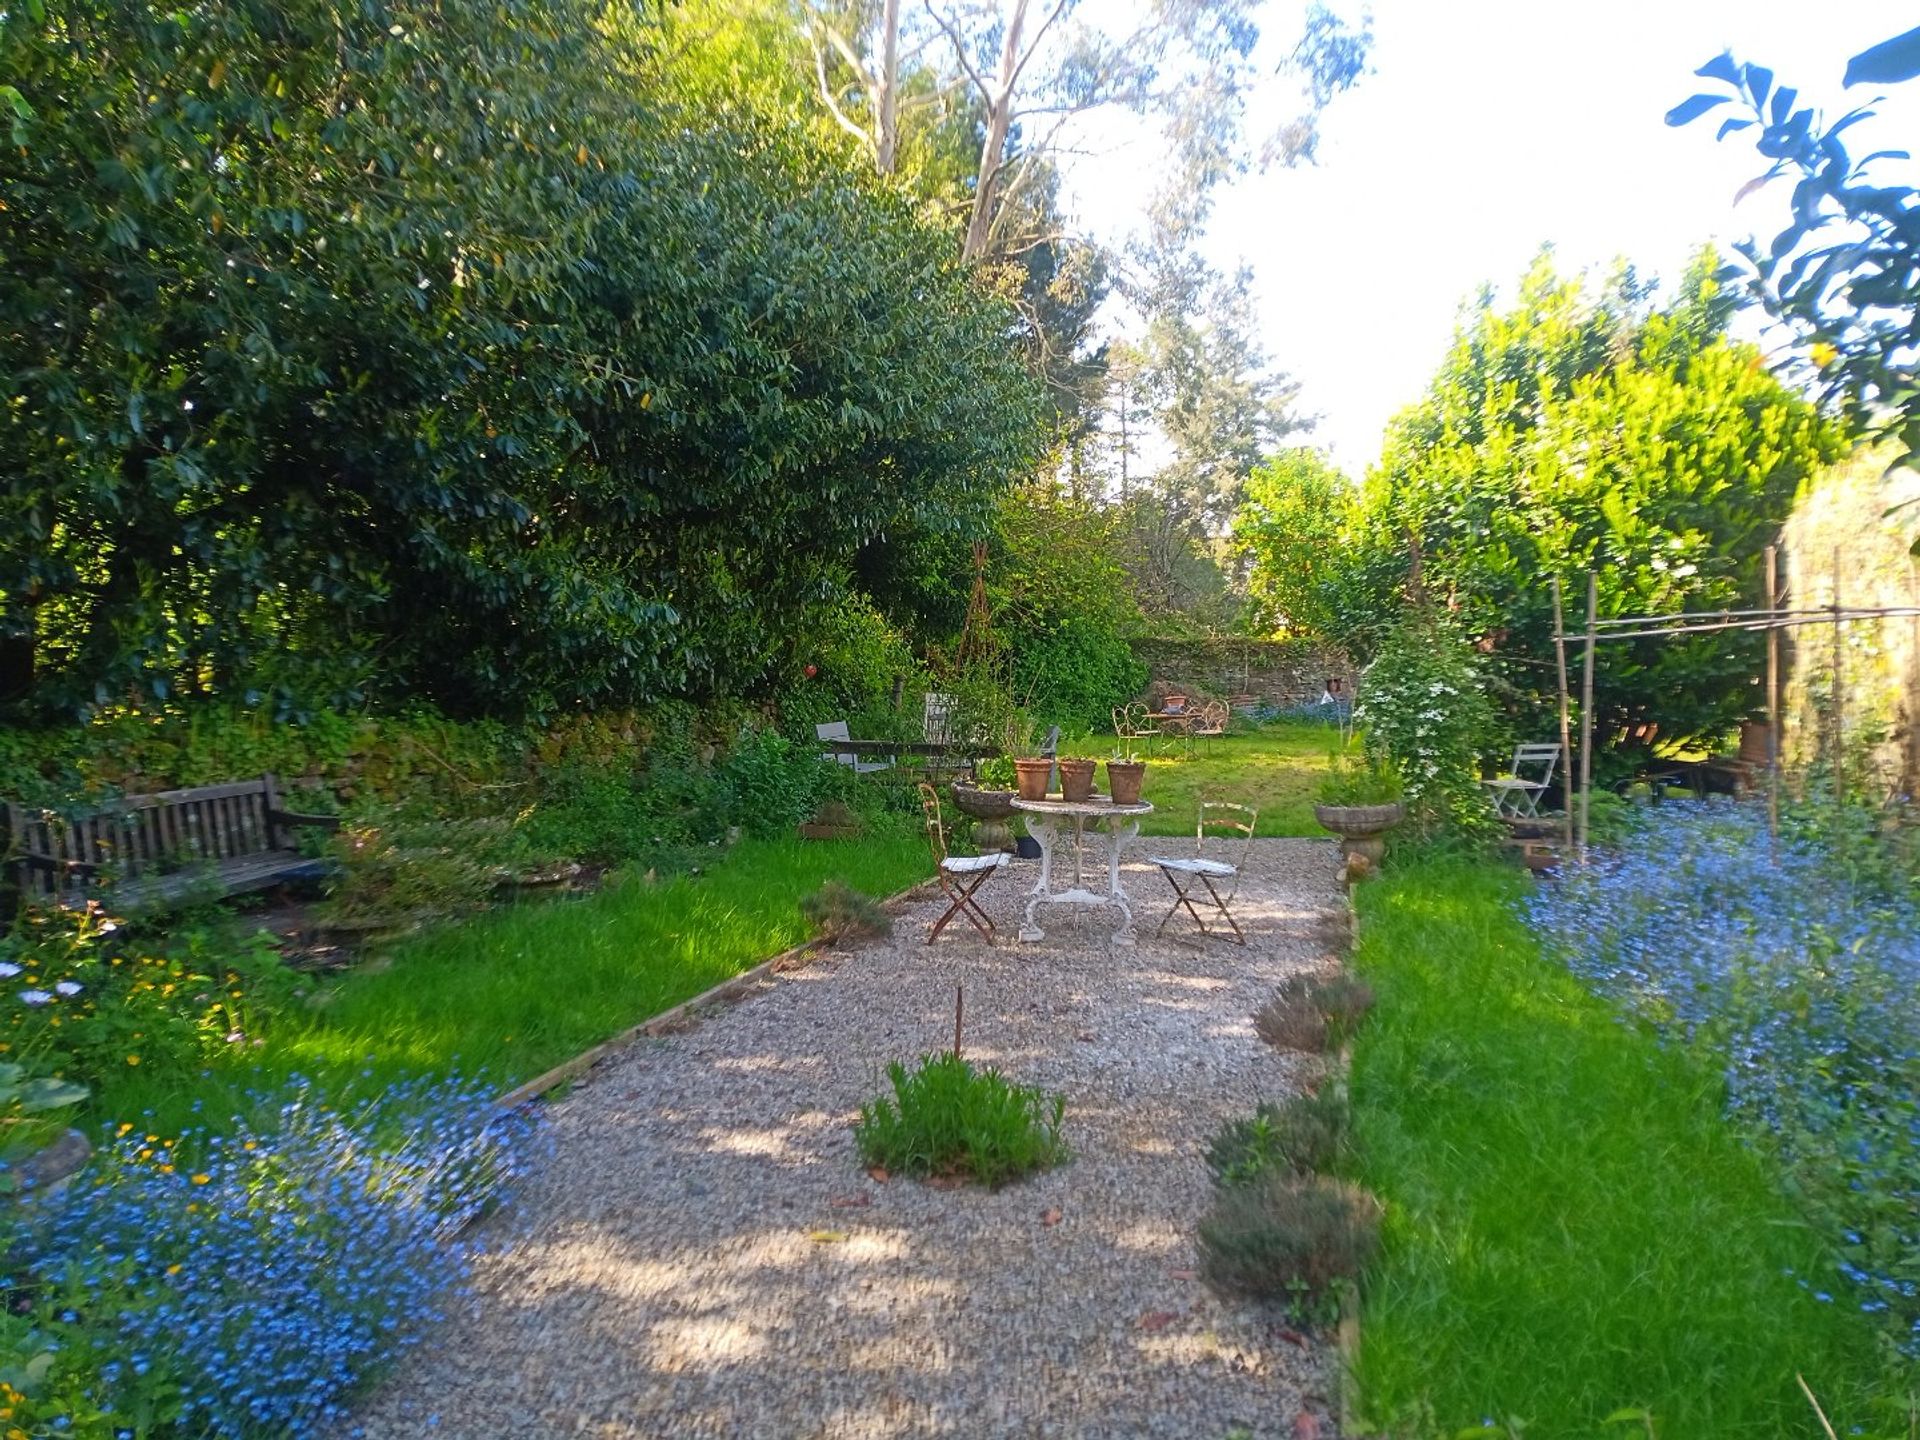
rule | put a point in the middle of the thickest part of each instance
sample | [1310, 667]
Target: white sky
[1487, 128]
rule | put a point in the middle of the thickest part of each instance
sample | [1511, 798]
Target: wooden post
[1586, 715]
[959, 1007]
[1773, 701]
[1566, 742]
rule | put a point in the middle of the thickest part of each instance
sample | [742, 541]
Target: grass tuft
[1288, 1237]
[841, 914]
[1299, 1137]
[948, 1119]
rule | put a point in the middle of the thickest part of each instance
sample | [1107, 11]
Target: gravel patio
[706, 1256]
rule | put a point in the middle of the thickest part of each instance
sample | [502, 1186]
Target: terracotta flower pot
[1032, 777]
[1076, 779]
[1124, 778]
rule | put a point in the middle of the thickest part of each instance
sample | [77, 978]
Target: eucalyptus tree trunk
[999, 120]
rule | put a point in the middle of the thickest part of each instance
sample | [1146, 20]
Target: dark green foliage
[768, 784]
[840, 913]
[946, 1118]
[1284, 1237]
[1300, 1137]
[440, 334]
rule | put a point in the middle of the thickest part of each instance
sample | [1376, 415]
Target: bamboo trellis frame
[1771, 619]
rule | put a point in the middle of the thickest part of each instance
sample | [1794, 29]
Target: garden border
[1346, 1338]
[674, 1017]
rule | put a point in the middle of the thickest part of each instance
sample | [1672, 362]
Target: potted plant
[1359, 800]
[1125, 775]
[1076, 778]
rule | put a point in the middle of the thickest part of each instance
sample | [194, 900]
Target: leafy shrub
[1797, 963]
[769, 784]
[403, 862]
[946, 1118]
[236, 1285]
[1426, 714]
[1353, 780]
[1072, 674]
[1299, 1137]
[840, 913]
[1314, 1012]
[1282, 1237]
[89, 996]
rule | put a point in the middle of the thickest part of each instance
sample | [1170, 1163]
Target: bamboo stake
[1773, 708]
[1586, 717]
[1839, 696]
[1566, 746]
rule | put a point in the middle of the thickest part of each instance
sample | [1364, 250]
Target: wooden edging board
[675, 1016]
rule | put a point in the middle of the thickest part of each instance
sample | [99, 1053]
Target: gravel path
[706, 1256]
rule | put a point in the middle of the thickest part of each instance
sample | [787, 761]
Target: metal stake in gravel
[959, 1004]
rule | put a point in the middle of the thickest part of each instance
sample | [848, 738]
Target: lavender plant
[1799, 965]
[237, 1284]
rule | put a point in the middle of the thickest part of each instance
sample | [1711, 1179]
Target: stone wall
[1276, 672]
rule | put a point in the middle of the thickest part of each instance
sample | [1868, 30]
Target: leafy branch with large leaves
[1844, 272]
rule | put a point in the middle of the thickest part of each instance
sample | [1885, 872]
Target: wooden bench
[155, 850]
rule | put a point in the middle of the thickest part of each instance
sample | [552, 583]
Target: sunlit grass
[1275, 769]
[1572, 1228]
[507, 995]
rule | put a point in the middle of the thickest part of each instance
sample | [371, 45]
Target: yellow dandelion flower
[166, 1169]
[1824, 354]
[173, 1269]
[133, 1059]
[201, 1179]
[125, 1126]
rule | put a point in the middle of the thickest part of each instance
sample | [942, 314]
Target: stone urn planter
[990, 811]
[1124, 779]
[1361, 828]
[1032, 777]
[1076, 779]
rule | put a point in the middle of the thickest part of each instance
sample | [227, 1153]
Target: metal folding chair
[960, 876]
[1516, 795]
[1196, 878]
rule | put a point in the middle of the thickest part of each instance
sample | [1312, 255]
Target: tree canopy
[1575, 431]
[441, 350]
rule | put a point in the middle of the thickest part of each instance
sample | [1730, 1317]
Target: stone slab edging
[733, 989]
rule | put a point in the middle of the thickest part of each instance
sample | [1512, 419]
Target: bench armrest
[295, 817]
[81, 869]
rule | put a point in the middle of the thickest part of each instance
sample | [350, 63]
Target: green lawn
[509, 994]
[1572, 1230]
[1274, 769]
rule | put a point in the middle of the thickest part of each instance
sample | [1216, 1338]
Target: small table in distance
[1046, 819]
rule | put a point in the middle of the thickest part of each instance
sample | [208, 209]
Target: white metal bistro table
[1047, 820]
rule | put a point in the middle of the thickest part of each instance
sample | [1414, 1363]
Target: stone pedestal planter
[990, 810]
[1362, 828]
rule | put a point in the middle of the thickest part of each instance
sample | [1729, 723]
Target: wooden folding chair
[960, 876]
[1196, 877]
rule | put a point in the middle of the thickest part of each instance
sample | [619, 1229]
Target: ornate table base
[1118, 824]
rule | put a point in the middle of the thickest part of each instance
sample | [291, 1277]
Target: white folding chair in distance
[1200, 877]
[837, 730]
[1516, 795]
[960, 876]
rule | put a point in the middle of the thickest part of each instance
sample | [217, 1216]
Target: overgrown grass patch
[1276, 768]
[508, 994]
[1572, 1228]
